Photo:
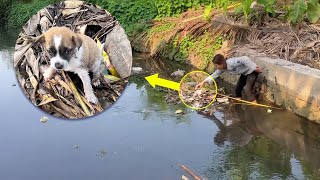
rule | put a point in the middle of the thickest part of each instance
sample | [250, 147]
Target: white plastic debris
[179, 111]
[269, 111]
[223, 100]
[44, 119]
[136, 70]
[179, 73]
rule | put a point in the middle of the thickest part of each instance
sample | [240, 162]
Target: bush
[4, 10]
[132, 14]
[21, 12]
[170, 8]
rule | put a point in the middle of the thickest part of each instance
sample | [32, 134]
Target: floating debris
[76, 147]
[269, 111]
[102, 153]
[14, 85]
[179, 111]
[192, 84]
[173, 97]
[183, 177]
[199, 98]
[179, 73]
[44, 119]
[223, 100]
[136, 70]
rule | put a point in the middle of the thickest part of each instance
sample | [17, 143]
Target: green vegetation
[203, 46]
[133, 15]
[246, 7]
[171, 8]
[161, 28]
[180, 52]
[4, 10]
[300, 9]
[269, 5]
[297, 11]
[206, 46]
[21, 11]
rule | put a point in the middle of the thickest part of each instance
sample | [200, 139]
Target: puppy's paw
[92, 98]
[96, 83]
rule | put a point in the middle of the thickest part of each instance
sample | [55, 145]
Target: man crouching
[238, 66]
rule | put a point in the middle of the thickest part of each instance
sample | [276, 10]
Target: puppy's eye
[66, 51]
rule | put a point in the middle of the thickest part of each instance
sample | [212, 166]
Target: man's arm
[214, 75]
[209, 80]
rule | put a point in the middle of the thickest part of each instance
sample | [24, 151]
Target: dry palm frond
[275, 37]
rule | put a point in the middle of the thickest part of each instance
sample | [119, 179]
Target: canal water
[141, 137]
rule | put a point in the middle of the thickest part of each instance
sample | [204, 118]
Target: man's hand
[258, 69]
[199, 86]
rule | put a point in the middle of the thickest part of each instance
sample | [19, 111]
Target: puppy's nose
[58, 65]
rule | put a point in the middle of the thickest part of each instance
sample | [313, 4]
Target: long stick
[191, 173]
[250, 103]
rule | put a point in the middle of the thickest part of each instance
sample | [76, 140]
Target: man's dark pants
[244, 87]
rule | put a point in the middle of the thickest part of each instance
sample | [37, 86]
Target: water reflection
[268, 146]
[154, 100]
[7, 42]
[297, 134]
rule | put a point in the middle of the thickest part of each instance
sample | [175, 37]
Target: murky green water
[140, 137]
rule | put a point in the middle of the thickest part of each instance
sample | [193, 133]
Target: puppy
[73, 52]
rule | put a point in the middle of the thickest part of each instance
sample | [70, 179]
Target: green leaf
[297, 11]
[313, 12]
[268, 5]
[314, 2]
[207, 12]
[246, 7]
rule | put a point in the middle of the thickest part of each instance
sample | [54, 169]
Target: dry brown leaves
[299, 43]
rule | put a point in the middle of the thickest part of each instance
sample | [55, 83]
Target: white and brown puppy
[73, 52]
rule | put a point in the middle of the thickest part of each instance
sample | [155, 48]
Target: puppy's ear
[39, 40]
[76, 40]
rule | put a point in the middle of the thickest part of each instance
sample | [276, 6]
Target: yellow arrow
[154, 80]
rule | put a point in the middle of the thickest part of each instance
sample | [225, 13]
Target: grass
[21, 12]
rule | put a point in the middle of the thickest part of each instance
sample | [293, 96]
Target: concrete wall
[294, 86]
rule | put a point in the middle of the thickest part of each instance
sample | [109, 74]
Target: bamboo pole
[190, 172]
[249, 103]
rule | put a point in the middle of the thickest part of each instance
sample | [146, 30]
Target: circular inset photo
[195, 96]
[72, 59]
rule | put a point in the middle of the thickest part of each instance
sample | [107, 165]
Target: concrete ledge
[292, 85]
